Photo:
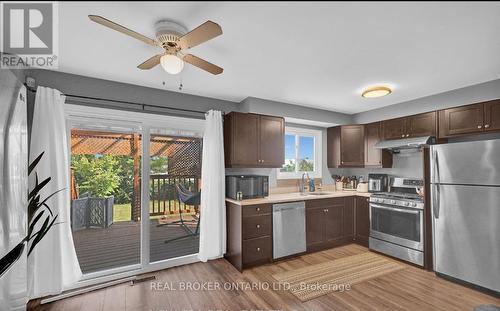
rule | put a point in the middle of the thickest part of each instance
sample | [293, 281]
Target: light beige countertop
[295, 196]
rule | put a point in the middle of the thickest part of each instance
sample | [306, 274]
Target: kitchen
[287, 155]
[399, 208]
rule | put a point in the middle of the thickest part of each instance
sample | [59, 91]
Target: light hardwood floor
[407, 289]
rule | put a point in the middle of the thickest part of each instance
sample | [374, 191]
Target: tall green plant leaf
[37, 207]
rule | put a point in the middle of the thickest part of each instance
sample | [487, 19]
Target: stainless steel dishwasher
[289, 229]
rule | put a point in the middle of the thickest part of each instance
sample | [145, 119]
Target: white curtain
[212, 206]
[53, 265]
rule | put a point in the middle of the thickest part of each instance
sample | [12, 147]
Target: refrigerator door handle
[435, 175]
[435, 201]
[436, 180]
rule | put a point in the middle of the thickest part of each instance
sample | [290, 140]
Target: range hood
[406, 143]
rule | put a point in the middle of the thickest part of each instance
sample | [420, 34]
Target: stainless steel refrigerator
[13, 192]
[465, 190]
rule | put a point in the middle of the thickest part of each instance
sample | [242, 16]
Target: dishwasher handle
[288, 206]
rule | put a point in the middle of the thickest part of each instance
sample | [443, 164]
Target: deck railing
[163, 194]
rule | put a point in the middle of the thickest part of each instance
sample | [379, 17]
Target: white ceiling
[312, 54]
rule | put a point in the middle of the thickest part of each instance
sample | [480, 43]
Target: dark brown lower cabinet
[362, 220]
[329, 223]
[249, 235]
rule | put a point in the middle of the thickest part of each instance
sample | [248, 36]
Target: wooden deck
[119, 245]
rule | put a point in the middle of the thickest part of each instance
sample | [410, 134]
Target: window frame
[318, 136]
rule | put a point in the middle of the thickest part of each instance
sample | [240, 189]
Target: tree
[100, 175]
[289, 167]
[306, 165]
[159, 165]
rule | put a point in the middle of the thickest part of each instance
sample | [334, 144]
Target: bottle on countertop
[312, 187]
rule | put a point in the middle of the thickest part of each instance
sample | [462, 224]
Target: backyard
[106, 197]
[123, 212]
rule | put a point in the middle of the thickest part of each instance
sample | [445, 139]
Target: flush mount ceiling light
[376, 91]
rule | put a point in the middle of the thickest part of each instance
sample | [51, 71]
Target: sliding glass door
[135, 192]
[174, 181]
[106, 197]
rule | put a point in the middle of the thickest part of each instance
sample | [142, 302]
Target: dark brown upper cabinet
[492, 115]
[252, 140]
[346, 146]
[470, 119]
[375, 157]
[423, 124]
[394, 129]
[461, 120]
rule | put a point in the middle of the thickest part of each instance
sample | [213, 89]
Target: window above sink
[302, 153]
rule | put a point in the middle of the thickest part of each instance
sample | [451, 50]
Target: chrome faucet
[302, 186]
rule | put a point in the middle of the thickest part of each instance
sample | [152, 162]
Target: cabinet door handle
[403, 135]
[407, 135]
[486, 126]
[257, 226]
[479, 126]
[258, 249]
[258, 209]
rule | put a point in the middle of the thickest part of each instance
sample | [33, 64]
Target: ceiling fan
[174, 39]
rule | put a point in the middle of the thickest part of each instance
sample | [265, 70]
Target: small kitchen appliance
[242, 187]
[377, 182]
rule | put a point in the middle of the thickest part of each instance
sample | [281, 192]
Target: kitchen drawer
[256, 226]
[324, 202]
[257, 250]
[255, 210]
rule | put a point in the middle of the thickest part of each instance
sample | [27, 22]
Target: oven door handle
[414, 212]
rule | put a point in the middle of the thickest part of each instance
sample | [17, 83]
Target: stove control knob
[406, 203]
[414, 204]
[393, 201]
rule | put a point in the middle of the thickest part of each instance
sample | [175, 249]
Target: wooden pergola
[184, 154]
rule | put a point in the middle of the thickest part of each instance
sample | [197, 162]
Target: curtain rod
[127, 102]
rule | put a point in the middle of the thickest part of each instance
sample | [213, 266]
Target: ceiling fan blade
[206, 31]
[150, 63]
[203, 64]
[106, 22]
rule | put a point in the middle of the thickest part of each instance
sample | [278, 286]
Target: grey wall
[92, 87]
[463, 96]
[404, 165]
[263, 106]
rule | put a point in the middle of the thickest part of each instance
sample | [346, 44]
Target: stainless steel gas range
[397, 220]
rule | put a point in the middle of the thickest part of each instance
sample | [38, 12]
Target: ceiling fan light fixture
[171, 63]
[376, 91]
